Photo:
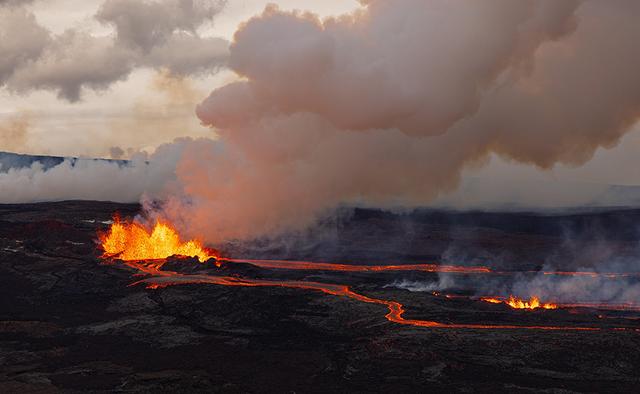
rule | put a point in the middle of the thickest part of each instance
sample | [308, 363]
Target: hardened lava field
[72, 319]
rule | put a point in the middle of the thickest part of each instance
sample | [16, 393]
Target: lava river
[160, 278]
[146, 252]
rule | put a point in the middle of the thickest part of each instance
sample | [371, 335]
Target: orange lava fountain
[518, 303]
[132, 242]
[533, 303]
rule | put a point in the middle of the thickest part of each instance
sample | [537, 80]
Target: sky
[142, 111]
[149, 105]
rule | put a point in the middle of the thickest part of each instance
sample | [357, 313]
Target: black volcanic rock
[70, 322]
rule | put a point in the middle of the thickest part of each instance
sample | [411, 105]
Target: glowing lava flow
[145, 251]
[517, 303]
[317, 266]
[534, 303]
[161, 279]
[456, 269]
[132, 242]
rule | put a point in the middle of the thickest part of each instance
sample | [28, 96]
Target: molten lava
[146, 252]
[518, 303]
[323, 266]
[160, 279]
[132, 242]
[533, 303]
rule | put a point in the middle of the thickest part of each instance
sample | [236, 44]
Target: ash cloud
[386, 106]
[147, 34]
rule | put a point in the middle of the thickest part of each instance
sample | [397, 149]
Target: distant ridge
[10, 160]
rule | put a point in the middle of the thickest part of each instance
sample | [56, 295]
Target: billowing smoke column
[387, 105]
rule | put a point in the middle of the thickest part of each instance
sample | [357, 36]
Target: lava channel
[162, 279]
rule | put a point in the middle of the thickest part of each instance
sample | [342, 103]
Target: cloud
[16, 50]
[59, 67]
[14, 2]
[146, 24]
[158, 35]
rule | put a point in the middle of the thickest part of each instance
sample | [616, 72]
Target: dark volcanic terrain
[71, 322]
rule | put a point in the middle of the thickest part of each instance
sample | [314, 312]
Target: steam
[591, 252]
[147, 34]
[386, 106]
[580, 289]
[444, 282]
[89, 179]
[607, 267]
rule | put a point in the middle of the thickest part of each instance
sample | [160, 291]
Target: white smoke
[444, 282]
[88, 179]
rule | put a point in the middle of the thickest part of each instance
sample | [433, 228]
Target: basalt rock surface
[71, 322]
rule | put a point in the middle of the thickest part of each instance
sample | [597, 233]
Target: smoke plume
[387, 105]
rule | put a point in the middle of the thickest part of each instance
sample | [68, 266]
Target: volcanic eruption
[133, 242]
[148, 251]
[518, 303]
[298, 232]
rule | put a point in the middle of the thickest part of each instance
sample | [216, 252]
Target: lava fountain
[133, 242]
[518, 303]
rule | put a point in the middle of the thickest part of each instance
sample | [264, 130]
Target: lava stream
[396, 310]
[319, 266]
[324, 266]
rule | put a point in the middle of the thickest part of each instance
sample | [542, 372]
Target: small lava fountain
[518, 303]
